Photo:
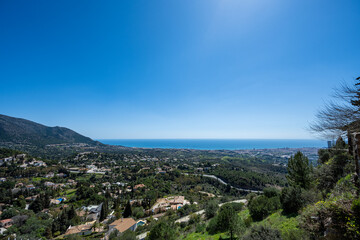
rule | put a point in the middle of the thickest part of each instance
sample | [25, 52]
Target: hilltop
[18, 131]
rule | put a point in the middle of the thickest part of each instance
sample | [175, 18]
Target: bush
[271, 192]
[9, 213]
[200, 228]
[262, 206]
[162, 230]
[260, 232]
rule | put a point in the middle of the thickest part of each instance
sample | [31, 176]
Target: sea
[216, 144]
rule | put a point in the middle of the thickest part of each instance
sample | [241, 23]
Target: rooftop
[123, 224]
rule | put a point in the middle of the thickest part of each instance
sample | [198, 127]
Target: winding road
[225, 183]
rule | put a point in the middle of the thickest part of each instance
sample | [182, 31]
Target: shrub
[271, 192]
[263, 206]
[260, 232]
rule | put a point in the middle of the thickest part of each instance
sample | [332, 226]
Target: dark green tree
[37, 204]
[291, 200]
[127, 211]
[162, 230]
[228, 220]
[20, 202]
[262, 206]
[104, 211]
[211, 209]
[299, 171]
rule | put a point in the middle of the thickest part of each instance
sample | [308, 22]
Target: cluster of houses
[92, 214]
[120, 225]
[20, 158]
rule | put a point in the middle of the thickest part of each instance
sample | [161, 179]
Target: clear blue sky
[176, 69]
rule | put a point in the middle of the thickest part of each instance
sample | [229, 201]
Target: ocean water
[216, 144]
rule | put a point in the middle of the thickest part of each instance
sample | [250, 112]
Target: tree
[104, 210]
[20, 202]
[342, 117]
[299, 171]
[211, 209]
[291, 200]
[9, 213]
[36, 205]
[335, 163]
[228, 220]
[127, 211]
[162, 230]
[262, 206]
[138, 212]
[271, 192]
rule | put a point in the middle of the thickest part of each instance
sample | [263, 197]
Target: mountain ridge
[22, 131]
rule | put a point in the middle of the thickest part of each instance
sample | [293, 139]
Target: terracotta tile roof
[79, 228]
[123, 224]
[139, 186]
[6, 220]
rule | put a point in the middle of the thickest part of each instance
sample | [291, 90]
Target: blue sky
[176, 69]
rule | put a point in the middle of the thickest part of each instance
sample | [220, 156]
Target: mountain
[21, 131]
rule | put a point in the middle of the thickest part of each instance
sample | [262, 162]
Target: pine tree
[299, 171]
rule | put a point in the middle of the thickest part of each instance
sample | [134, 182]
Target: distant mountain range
[21, 131]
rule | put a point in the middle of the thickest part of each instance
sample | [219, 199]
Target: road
[201, 212]
[225, 183]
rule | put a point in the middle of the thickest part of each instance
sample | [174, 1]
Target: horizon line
[210, 139]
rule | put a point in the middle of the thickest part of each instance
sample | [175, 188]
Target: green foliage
[324, 156]
[291, 200]
[127, 211]
[212, 227]
[333, 170]
[200, 228]
[20, 202]
[288, 226]
[261, 232]
[261, 206]
[104, 210]
[6, 152]
[236, 206]
[127, 235]
[299, 171]
[66, 218]
[41, 202]
[138, 212]
[248, 178]
[36, 227]
[162, 230]
[271, 192]
[344, 219]
[9, 213]
[211, 208]
[227, 219]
